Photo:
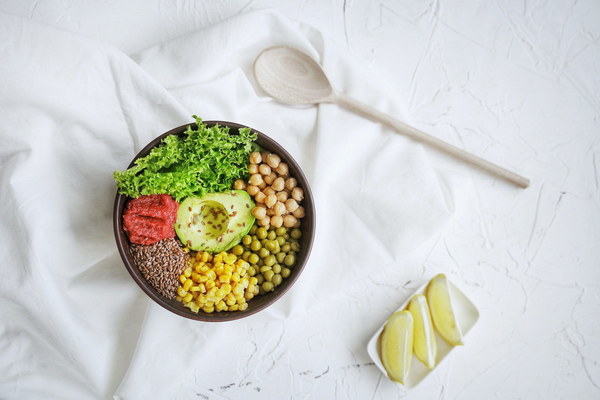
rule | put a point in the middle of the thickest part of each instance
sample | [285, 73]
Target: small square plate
[467, 315]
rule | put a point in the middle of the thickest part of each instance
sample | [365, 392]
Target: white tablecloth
[390, 212]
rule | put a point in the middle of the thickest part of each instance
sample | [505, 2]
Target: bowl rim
[224, 316]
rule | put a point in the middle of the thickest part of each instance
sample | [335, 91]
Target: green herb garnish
[202, 160]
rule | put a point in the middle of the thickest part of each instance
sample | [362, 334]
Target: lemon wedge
[442, 311]
[425, 346]
[397, 345]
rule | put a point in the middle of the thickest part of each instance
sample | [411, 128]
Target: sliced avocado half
[214, 222]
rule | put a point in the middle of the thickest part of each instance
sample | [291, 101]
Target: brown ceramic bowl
[259, 302]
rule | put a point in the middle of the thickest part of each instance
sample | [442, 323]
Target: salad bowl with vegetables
[213, 220]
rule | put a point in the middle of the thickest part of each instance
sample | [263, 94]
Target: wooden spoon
[293, 77]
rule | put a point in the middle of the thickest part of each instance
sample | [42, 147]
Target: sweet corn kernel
[187, 284]
[230, 259]
[203, 278]
[181, 292]
[253, 281]
[226, 288]
[224, 278]
[243, 306]
[208, 309]
[249, 296]
[188, 297]
[204, 269]
[209, 284]
[202, 287]
[178, 298]
[217, 259]
[235, 277]
[220, 306]
[211, 275]
[219, 270]
[230, 302]
[182, 278]
[196, 277]
[194, 307]
[205, 257]
[187, 272]
[228, 270]
[234, 307]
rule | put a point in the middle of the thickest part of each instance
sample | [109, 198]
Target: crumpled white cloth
[74, 325]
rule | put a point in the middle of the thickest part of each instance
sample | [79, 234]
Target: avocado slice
[214, 222]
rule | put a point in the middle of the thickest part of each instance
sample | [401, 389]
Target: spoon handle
[378, 116]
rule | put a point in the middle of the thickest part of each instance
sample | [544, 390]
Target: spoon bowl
[293, 77]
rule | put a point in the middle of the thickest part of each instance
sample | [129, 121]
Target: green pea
[281, 231]
[286, 236]
[255, 245]
[263, 253]
[280, 256]
[295, 246]
[252, 270]
[237, 250]
[286, 248]
[270, 260]
[272, 235]
[247, 240]
[261, 233]
[285, 272]
[277, 268]
[267, 286]
[289, 260]
[265, 268]
[269, 275]
[253, 259]
[296, 233]
[246, 255]
[270, 245]
[260, 279]
[281, 240]
[253, 229]
[276, 280]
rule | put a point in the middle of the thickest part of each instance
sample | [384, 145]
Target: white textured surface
[515, 82]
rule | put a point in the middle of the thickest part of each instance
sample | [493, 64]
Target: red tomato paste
[149, 219]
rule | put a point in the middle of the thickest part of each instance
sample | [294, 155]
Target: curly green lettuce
[202, 160]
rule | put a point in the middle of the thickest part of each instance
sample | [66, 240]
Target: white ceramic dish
[467, 315]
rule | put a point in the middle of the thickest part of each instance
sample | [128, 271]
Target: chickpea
[297, 194]
[270, 200]
[255, 179]
[276, 221]
[259, 212]
[278, 184]
[255, 157]
[297, 224]
[273, 160]
[266, 221]
[252, 169]
[282, 196]
[262, 185]
[282, 169]
[239, 185]
[260, 197]
[270, 212]
[264, 155]
[298, 212]
[269, 190]
[264, 169]
[289, 221]
[270, 178]
[291, 183]
[252, 190]
[291, 205]
[279, 208]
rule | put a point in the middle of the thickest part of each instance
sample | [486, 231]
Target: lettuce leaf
[202, 160]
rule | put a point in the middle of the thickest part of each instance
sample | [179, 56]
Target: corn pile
[219, 283]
